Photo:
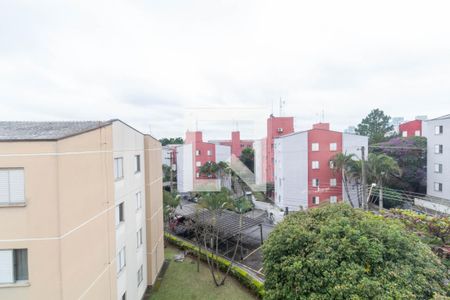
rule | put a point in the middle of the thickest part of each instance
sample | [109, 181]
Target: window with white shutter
[6, 266]
[13, 265]
[118, 168]
[12, 186]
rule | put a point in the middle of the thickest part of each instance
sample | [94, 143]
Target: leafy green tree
[248, 158]
[411, 156]
[336, 252]
[170, 202]
[170, 141]
[375, 126]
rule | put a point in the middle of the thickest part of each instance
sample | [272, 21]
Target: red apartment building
[411, 128]
[264, 148]
[193, 154]
[236, 144]
[304, 174]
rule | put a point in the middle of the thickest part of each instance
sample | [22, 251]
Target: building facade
[236, 144]
[264, 148]
[192, 155]
[411, 128]
[304, 174]
[437, 132]
[81, 209]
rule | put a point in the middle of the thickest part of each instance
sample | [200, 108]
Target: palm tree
[215, 202]
[380, 168]
[344, 163]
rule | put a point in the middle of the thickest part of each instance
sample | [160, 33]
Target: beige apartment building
[80, 210]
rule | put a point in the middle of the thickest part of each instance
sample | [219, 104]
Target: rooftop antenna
[272, 108]
[282, 102]
[196, 124]
[323, 115]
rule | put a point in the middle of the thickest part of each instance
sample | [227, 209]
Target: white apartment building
[437, 132]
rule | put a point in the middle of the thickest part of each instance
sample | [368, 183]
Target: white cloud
[147, 61]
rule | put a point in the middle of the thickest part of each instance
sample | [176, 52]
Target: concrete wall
[127, 143]
[154, 208]
[185, 175]
[433, 158]
[291, 171]
[67, 222]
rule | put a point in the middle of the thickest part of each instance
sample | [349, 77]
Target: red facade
[323, 145]
[411, 128]
[276, 127]
[202, 152]
[236, 144]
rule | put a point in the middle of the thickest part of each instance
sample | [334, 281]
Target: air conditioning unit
[280, 130]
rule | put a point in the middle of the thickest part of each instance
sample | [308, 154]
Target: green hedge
[240, 274]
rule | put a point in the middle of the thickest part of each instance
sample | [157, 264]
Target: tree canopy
[248, 158]
[376, 126]
[169, 141]
[336, 252]
[410, 154]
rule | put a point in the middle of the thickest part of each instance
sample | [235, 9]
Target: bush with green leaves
[337, 252]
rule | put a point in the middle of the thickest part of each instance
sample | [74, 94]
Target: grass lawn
[182, 281]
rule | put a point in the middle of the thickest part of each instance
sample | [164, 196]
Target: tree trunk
[346, 188]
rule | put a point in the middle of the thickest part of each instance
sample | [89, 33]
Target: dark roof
[46, 131]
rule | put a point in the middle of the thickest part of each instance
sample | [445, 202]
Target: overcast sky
[148, 62]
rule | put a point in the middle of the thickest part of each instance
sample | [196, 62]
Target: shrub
[336, 252]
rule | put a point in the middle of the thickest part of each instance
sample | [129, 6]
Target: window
[315, 182]
[197, 175]
[118, 168]
[209, 152]
[438, 187]
[198, 163]
[438, 149]
[138, 163]
[439, 129]
[437, 168]
[333, 199]
[120, 215]
[140, 275]
[197, 152]
[315, 200]
[12, 186]
[333, 146]
[121, 263]
[13, 265]
[417, 133]
[138, 200]
[331, 163]
[315, 147]
[333, 182]
[405, 134]
[139, 238]
[315, 164]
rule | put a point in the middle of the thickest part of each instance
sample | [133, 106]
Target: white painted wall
[291, 171]
[223, 153]
[185, 180]
[259, 147]
[433, 158]
[351, 144]
[127, 143]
